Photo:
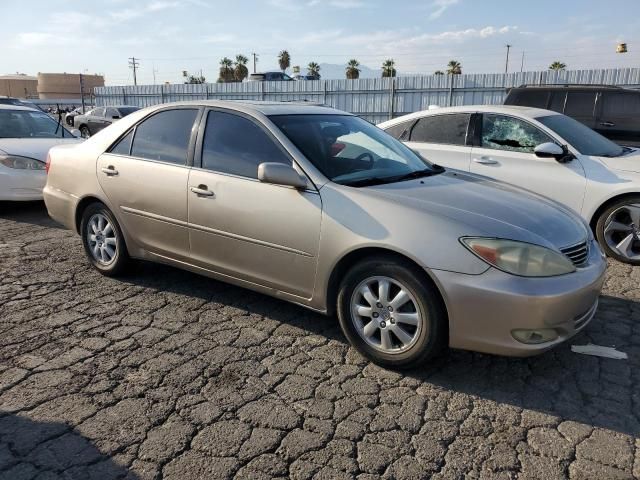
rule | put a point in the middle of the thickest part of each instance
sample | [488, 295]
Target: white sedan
[26, 135]
[544, 152]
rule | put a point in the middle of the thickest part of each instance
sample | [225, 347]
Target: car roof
[571, 86]
[529, 112]
[4, 106]
[264, 107]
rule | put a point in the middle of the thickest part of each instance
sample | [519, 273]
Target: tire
[98, 244]
[611, 235]
[428, 335]
[84, 131]
[69, 121]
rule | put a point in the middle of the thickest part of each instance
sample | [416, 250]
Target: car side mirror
[553, 150]
[281, 174]
[116, 117]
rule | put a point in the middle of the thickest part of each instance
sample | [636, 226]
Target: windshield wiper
[366, 182]
[427, 172]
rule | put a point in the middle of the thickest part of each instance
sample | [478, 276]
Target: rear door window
[165, 136]
[448, 129]
[580, 104]
[98, 112]
[557, 101]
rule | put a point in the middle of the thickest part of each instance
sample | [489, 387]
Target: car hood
[628, 163]
[489, 208]
[33, 147]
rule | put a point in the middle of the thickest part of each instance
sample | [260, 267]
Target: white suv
[544, 152]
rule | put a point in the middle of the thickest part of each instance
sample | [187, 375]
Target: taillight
[47, 164]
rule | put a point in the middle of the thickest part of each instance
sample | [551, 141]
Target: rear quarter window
[401, 131]
[529, 98]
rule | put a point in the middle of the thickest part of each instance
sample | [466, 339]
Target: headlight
[519, 258]
[21, 163]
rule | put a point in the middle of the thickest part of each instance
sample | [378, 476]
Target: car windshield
[29, 124]
[581, 137]
[350, 151]
[124, 111]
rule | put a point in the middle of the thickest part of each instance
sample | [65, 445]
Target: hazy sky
[422, 36]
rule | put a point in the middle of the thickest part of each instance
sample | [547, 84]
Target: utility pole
[255, 58]
[82, 92]
[134, 64]
[154, 71]
[506, 65]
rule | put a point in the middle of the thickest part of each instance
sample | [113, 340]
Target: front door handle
[485, 161]
[607, 124]
[202, 190]
[110, 171]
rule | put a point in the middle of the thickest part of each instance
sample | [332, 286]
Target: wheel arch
[354, 256]
[593, 220]
[82, 206]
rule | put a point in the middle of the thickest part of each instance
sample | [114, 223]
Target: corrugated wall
[375, 99]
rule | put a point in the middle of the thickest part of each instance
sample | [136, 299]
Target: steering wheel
[364, 155]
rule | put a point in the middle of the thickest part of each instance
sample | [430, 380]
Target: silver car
[318, 207]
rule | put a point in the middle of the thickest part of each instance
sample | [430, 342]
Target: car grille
[578, 254]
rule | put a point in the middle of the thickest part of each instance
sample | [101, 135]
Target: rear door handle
[202, 190]
[485, 161]
[607, 124]
[110, 171]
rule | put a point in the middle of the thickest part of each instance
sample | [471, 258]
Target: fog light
[533, 337]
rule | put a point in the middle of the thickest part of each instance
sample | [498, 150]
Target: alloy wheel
[622, 231]
[102, 240]
[386, 315]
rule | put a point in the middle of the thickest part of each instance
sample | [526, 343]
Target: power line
[134, 64]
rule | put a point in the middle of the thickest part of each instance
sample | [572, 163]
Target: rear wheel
[391, 314]
[618, 230]
[103, 240]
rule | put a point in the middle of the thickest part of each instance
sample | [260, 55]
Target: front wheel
[103, 240]
[391, 314]
[84, 131]
[618, 230]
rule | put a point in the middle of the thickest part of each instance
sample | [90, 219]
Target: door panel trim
[154, 216]
[213, 231]
[255, 241]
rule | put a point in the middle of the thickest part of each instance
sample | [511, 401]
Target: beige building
[66, 85]
[19, 85]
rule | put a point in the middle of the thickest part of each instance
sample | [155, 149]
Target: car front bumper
[21, 185]
[485, 309]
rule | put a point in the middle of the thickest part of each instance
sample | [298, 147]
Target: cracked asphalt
[168, 375]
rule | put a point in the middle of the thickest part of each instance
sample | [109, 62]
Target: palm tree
[284, 59]
[389, 68]
[557, 66]
[193, 78]
[438, 72]
[226, 70]
[353, 72]
[454, 67]
[240, 71]
[313, 70]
